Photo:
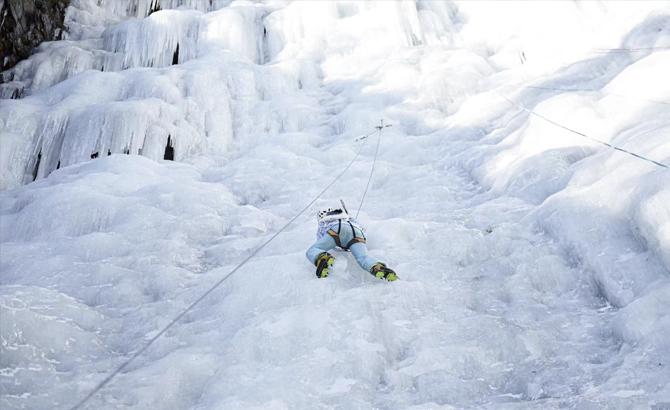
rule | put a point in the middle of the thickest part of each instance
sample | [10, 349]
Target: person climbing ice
[337, 228]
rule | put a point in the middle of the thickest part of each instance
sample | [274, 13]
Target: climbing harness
[336, 236]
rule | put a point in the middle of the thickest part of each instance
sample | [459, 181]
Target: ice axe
[344, 206]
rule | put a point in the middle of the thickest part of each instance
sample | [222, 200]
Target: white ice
[534, 262]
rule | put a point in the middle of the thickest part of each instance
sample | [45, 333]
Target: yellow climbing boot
[378, 270]
[323, 263]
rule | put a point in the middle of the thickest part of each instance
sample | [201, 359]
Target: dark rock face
[26, 24]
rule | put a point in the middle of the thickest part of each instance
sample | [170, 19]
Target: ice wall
[85, 21]
[247, 53]
[602, 205]
[536, 260]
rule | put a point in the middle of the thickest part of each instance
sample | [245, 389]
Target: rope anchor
[378, 128]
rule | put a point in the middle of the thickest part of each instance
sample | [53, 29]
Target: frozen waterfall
[156, 146]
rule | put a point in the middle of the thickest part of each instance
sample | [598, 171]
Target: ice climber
[337, 228]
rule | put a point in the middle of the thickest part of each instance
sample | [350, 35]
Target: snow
[534, 262]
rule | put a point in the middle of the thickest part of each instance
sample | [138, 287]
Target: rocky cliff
[26, 24]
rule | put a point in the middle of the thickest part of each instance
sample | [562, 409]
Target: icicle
[175, 57]
[152, 42]
[37, 165]
[154, 6]
[169, 151]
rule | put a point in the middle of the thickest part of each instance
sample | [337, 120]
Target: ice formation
[534, 261]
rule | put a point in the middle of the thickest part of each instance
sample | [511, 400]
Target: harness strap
[354, 241]
[336, 236]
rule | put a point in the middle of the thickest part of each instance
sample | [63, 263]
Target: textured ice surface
[534, 262]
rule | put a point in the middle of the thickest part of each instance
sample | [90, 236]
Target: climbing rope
[374, 161]
[367, 135]
[626, 50]
[216, 285]
[580, 90]
[584, 135]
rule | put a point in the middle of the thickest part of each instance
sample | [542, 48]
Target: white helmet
[329, 214]
[323, 212]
